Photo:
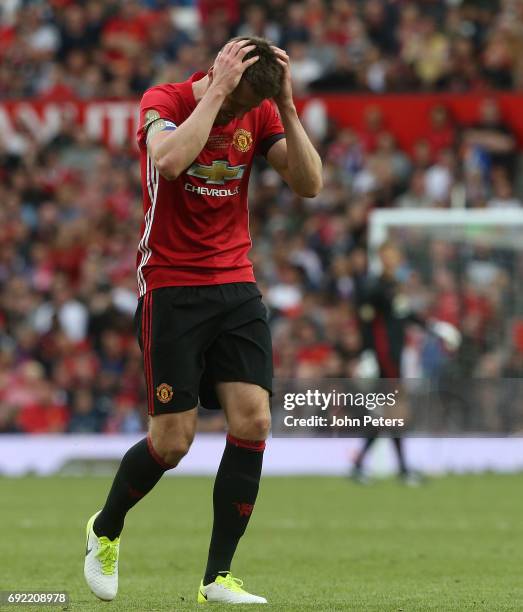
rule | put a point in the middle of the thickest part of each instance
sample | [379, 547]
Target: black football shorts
[193, 337]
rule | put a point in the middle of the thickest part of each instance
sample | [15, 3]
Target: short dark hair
[265, 75]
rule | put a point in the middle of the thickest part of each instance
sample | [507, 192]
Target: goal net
[465, 267]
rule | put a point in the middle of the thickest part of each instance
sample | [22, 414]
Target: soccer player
[384, 313]
[201, 323]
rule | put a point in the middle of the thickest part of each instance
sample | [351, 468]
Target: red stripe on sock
[156, 456]
[254, 445]
[134, 493]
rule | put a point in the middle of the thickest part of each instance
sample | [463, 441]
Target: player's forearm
[304, 167]
[183, 145]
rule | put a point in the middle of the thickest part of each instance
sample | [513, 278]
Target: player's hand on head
[285, 96]
[230, 65]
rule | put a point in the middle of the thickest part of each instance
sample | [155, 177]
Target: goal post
[492, 227]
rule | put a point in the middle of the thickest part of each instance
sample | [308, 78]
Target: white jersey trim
[153, 179]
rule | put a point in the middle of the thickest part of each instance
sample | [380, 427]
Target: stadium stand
[70, 207]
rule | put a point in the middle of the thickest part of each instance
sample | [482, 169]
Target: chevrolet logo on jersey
[218, 173]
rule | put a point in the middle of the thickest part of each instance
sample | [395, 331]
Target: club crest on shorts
[242, 140]
[164, 393]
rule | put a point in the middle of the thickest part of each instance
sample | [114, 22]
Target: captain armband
[154, 123]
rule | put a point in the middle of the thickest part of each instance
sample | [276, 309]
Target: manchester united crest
[164, 393]
[242, 140]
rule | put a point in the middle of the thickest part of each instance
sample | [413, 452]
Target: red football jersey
[196, 228]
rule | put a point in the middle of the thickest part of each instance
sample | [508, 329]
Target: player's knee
[172, 435]
[256, 428]
[176, 453]
[262, 427]
[172, 451]
[171, 447]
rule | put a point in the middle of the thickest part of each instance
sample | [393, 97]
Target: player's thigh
[174, 327]
[247, 409]
[242, 352]
[240, 366]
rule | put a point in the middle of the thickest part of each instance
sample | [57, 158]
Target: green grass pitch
[314, 544]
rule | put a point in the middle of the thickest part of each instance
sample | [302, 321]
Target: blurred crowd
[70, 208]
[117, 48]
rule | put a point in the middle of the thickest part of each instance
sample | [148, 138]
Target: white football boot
[227, 589]
[101, 563]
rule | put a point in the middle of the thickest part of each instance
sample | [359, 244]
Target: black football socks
[363, 452]
[398, 445]
[235, 490]
[141, 468]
